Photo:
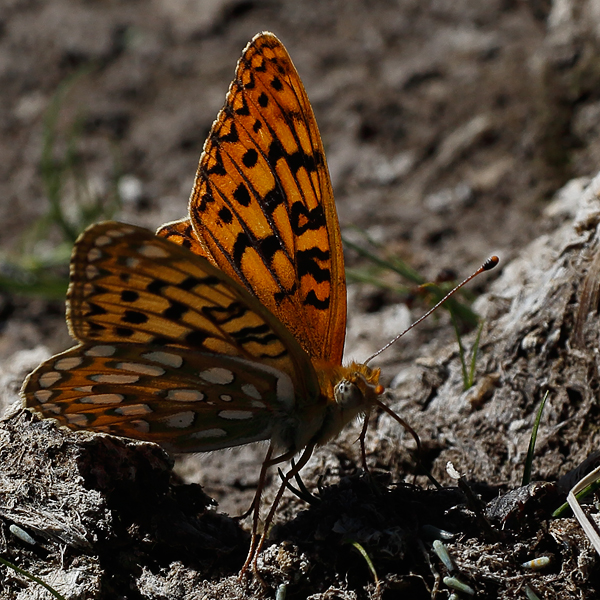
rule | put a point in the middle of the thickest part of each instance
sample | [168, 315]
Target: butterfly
[226, 327]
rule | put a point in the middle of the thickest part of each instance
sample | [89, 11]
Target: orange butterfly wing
[260, 299]
[129, 286]
[171, 350]
[262, 207]
[182, 233]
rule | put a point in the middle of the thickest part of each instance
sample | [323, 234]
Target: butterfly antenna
[489, 264]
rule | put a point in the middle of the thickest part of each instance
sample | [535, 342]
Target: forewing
[130, 286]
[262, 206]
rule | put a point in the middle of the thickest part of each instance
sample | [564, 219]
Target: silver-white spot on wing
[94, 254]
[140, 368]
[42, 396]
[140, 425]
[103, 240]
[118, 378]
[117, 233]
[77, 419]
[84, 389]
[102, 399]
[284, 385]
[133, 410]
[100, 351]
[180, 420]
[91, 272]
[165, 358]
[250, 390]
[235, 415]
[68, 363]
[217, 375]
[182, 395]
[152, 251]
[49, 378]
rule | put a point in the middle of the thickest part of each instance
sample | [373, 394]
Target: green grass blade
[461, 351]
[474, 354]
[32, 578]
[396, 265]
[564, 509]
[368, 560]
[531, 449]
[462, 312]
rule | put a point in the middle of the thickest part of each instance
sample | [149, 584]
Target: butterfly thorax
[347, 392]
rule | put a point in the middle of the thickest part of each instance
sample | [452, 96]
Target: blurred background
[448, 126]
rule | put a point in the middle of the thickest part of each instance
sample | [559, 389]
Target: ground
[449, 127]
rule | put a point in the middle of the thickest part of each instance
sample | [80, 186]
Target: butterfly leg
[363, 452]
[304, 458]
[257, 542]
[259, 488]
[255, 506]
[363, 455]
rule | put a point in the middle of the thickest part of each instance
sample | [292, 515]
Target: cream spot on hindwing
[133, 410]
[251, 391]
[152, 251]
[50, 378]
[182, 395]
[117, 233]
[103, 240]
[66, 364]
[132, 263]
[235, 415]
[140, 425]
[284, 385]
[42, 396]
[151, 370]
[102, 399]
[84, 389]
[77, 419]
[100, 351]
[217, 375]
[91, 272]
[180, 420]
[226, 397]
[94, 254]
[117, 378]
[165, 358]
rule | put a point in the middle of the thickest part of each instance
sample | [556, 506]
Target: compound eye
[348, 394]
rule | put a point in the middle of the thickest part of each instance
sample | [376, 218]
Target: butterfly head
[351, 391]
[358, 389]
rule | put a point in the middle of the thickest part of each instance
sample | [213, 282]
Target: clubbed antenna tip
[489, 264]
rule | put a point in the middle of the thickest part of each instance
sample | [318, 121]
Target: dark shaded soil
[449, 126]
